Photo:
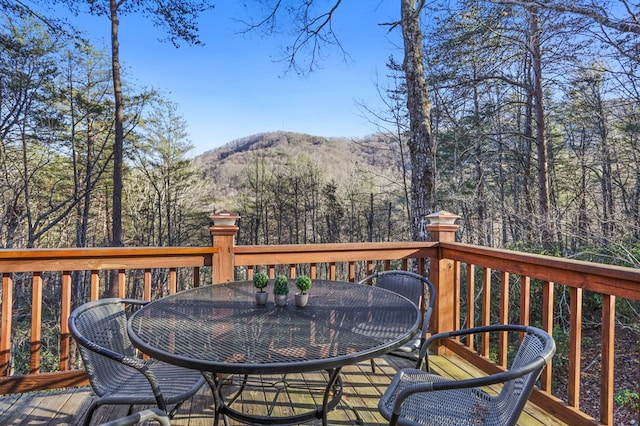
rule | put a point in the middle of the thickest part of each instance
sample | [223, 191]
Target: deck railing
[467, 278]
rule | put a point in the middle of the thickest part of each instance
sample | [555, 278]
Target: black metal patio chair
[116, 374]
[414, 287]
[418, 397]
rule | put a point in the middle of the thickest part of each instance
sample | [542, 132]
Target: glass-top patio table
[220, 329]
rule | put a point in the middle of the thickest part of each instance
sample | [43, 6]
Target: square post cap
[224, 218]
[442, 218]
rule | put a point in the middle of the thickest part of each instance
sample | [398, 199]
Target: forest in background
[56, 131]
[535, 118]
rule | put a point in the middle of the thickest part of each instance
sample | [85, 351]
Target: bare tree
[313, 31]
[179, 19]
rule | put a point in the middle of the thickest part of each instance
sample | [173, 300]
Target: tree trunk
[421, 147]
[544, 198]
[118, 143]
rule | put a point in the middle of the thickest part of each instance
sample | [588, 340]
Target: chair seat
[469, 406]
[380, 332]
[175, 382]
[410, 346]
[364, 329]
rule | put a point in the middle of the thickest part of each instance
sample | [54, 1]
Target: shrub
[281, 285]
[303, 283]
[260, 280]
[627, 398]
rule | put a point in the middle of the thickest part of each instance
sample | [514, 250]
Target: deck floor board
[362, 391]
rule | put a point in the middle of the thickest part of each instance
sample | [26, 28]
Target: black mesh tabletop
[219, 328]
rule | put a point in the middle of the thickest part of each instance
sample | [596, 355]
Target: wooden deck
[362, 390]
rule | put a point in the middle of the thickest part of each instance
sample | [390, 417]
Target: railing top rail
[73, 259]
[601, 278]
[334, 252]
[40, 253]
[342, 247]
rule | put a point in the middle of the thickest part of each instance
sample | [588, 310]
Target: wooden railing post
[223, 231]
[442, 228]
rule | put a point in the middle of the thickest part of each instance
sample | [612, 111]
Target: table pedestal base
[331, 397]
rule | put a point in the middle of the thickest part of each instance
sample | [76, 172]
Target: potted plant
[281, 290]
[303, 283]
[260, 281]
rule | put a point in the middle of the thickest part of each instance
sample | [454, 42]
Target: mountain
[223, 169]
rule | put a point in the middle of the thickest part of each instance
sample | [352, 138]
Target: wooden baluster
[370, 268]
[547, 325]
[250, 272]
[196, 277]
[147, 285]
[65, 311]
[36, 323]
[575, 348]
[292, 270]
[503, 350]
[332, 270]
[471, 301]
[525, 300]
[313, 271]
[173, 281]
[456, 296]
[422, 266]
[94, 291]
[122, 279]
[5, 330]
[272, 271]
[607, 358]
[486, 309]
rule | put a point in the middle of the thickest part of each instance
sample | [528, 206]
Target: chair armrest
[477, 382]
[424, 350]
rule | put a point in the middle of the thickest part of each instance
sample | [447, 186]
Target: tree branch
[312, 32]
[595, 12]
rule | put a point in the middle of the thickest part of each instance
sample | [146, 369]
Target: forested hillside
[225, 169]
[292, 187]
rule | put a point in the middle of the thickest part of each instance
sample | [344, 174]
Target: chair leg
[90, 411]
[175, 409]
[373, 366]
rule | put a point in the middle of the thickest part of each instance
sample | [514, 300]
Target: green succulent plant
[281, 285]
[303, 283]
[260, 280]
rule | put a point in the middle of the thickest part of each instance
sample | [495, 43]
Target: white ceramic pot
[261, 297]
[302, 299]
[281, 299]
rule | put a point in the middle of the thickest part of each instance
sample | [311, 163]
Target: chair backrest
[413, 286]
[100, 328]
[536, 349]
[408, 284]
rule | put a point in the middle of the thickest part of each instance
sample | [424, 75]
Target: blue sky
[231, 87]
